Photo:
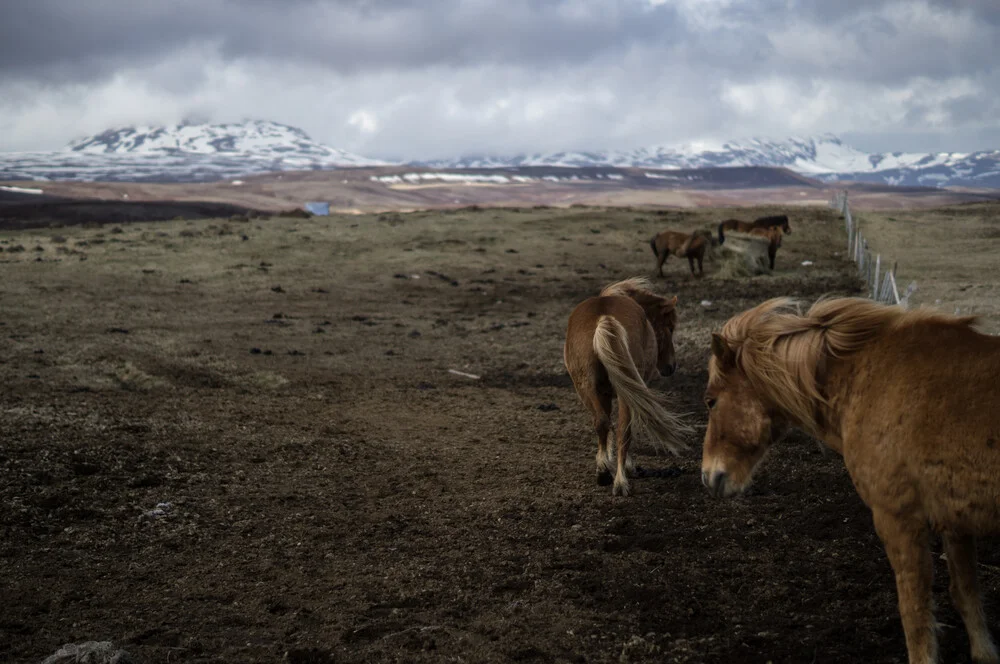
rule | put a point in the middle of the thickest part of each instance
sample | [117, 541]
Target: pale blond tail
[651, 420]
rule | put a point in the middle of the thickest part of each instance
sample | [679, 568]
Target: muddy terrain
[227, 441]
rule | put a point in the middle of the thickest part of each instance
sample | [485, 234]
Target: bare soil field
[242, 442]
[952, 253]
[354, 190]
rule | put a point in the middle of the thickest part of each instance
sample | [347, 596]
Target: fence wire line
[879, 279]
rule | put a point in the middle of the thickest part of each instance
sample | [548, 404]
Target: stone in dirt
[89, 652]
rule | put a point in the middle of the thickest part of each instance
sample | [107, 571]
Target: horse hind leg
[964, 587]
[908, 550]
[661, 258]
[624, 439]
[600, 409]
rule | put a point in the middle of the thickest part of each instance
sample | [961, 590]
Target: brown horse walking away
[773, 236]
[908, 398]
[615, 343]
[776, 221]
[690, 245]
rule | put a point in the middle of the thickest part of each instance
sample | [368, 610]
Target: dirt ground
[241, 442]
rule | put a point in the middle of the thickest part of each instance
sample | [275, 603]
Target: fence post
[878, 265]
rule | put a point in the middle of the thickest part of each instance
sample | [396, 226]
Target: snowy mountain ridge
[257, 138]
[203, 152]
[824, 157]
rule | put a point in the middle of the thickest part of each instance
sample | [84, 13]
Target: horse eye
[710, 403]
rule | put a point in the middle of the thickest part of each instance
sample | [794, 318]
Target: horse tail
[652, 245]
[650, 418]
[722, 237]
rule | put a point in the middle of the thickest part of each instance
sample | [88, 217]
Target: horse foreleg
[909, 554]
[691, 263]
[961, 552]
[624, 436]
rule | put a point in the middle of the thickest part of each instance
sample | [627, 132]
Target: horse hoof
[604, 478]
[621, 490]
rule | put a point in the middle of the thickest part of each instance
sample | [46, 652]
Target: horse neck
[659, 333]
[836, 388]
[844, 383]
[835, 384]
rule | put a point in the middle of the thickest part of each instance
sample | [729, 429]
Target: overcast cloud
[420, 79]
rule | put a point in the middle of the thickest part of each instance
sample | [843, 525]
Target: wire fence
[879, 279]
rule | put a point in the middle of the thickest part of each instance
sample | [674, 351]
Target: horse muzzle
[716, 482]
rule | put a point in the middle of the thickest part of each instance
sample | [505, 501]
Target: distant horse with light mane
[779, 221]
[908, 398]
[616, 343]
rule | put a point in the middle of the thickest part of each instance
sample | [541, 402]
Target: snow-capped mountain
[204, 152]
[260, 139]
[795, 153]
[823, 157]
[181, 153]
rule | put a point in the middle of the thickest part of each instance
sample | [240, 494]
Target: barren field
[353, 190]
[240, 441]
[951, 252]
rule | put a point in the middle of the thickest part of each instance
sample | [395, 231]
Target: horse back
[668, 241]
[774, 221]
[920, 425]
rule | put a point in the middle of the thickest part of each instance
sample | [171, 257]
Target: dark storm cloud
[881, 41]
[57, 40]
[424, 78]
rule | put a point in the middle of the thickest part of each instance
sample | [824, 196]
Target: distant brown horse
[690, 245]
[615, 343]
[777, 221]
[908, 398]
[773, 236]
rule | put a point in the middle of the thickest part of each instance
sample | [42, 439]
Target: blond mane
[781, 351]
[640, 289]
[629, 287]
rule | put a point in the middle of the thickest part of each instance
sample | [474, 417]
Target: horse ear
[670, 304]
[721, 350]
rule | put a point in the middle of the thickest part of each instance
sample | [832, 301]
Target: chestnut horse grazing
[908, 398]
[776, 221]
[692, 246]
[773, 235]
[615, 343]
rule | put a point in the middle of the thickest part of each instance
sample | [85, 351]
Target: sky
[421, 79]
